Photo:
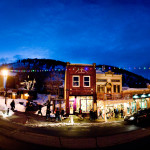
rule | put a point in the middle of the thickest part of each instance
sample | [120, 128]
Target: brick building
[80, 88]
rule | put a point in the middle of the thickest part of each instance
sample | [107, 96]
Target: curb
[73, 142]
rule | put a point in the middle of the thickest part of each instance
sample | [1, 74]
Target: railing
[113, 96]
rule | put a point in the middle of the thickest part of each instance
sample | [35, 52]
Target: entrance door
[83, 105]
[71, 107]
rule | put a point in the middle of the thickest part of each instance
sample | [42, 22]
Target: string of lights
[97, 68]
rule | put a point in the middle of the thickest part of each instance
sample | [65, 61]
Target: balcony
[113, 96]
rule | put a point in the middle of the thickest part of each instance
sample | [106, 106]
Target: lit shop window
[86, 81]
[76, 81]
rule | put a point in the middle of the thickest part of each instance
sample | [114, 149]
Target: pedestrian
[115, 112]
[100, 114]
[62, 114]
[121, 113]
[12, 104]
[48, 110]
[28, 105]
[48, 113]
[57, 115]
[112, 114]
[80, 113]
[91, 114]
[40, 107]
[94, 114]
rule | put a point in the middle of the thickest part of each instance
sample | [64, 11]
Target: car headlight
[131, 118]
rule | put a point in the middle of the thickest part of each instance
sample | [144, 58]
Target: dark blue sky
[112, 32]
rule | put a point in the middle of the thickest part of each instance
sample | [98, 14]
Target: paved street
[34, 132]
[79, 128]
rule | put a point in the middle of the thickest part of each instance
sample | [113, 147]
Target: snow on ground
[19, 106]
[43, 110]
[41, 98]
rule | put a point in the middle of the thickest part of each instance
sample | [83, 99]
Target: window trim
[86, 81]
[76, 81]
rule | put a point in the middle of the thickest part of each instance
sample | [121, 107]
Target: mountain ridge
[129, 79]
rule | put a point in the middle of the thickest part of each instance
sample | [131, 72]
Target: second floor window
[76, 81]
[86, 81]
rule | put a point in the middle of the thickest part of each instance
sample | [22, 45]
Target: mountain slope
[129, 79]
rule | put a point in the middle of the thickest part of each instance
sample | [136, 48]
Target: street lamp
[5, 73]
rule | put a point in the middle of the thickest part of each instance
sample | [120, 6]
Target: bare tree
[53, 83]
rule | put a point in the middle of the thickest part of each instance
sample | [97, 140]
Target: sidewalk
[31, 118]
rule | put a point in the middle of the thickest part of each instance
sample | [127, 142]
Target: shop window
[102, 89]
[86, 81]
[84, 102]
[83, 105]
[89, 105]
[76, 81]
[143, 103]
[114, 88]
[98, 88]
[118, 88]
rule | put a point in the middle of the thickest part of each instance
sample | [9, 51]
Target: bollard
[8, 111]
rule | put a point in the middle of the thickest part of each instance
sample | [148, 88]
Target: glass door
[71, 107]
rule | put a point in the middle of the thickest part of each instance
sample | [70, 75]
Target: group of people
[116, 111]
[110, 114]
[58, 115]
[93, 114]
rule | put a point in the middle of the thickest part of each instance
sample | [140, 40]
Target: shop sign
[109, 96]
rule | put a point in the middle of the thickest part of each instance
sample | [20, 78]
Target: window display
[85, 103]
[89, 105]
[143, 103]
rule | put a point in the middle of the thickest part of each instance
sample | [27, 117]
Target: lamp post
[5, 73]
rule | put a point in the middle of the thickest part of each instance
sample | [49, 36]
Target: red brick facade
[80, 81]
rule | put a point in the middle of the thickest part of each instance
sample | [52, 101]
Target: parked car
[31, 106]
[142, 116]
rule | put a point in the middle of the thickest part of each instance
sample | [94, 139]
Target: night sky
[111, 32]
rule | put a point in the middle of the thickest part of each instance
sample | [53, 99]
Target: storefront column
[130, 107]
[105, 89]
[148, 102]
[116, 89]
[137, 105]
[112, 88]
[125, 109]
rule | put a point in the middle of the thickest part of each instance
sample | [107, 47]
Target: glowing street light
[5, 74]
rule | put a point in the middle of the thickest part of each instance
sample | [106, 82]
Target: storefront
[142, 101]
[83, 102]
[109, 106]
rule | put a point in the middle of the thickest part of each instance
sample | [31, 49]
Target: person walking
[121, 113]
[40, 109]
[91, 114]
[62, 114]
[58, 115]
[12, 104]
[80, 113]
[48, 111]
